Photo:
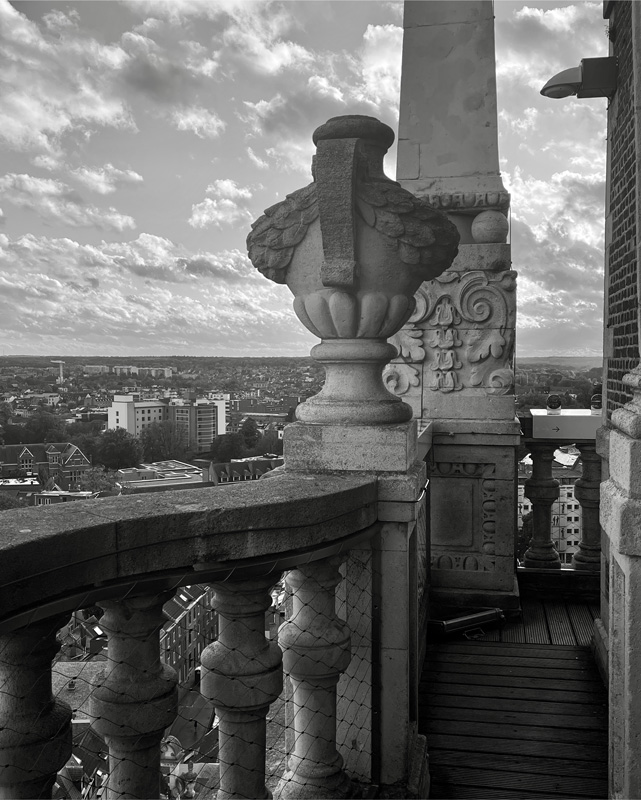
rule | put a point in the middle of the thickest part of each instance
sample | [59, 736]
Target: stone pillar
[242, 675]
[587, 491]
[35, 729]
[542, 489]
[316, 650]
[354, 247]
[621, 519]
[455, 355]
[135, 698]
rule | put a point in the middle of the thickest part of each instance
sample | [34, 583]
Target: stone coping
[57, 558]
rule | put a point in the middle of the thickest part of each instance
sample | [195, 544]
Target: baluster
[587, 491]
[35, 728]
[135, 697]
[316, 649]
[542, 490]
[242, 675]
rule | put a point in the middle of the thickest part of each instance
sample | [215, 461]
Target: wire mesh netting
[134, 702]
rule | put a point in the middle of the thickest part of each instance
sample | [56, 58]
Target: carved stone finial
[353, 247]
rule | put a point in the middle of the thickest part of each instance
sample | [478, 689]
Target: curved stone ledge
[64, 556]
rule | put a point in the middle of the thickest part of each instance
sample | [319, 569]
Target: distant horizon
[253, 358]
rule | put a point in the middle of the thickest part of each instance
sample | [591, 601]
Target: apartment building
[134, 414]
[201, 421]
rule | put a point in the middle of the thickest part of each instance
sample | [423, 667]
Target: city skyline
[141, 139]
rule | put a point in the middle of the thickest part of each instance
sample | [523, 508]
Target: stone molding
[468, 202]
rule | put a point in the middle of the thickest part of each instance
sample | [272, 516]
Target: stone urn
[353, 247]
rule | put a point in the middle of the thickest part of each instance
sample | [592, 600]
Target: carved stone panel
[460, 339]
[472, 518]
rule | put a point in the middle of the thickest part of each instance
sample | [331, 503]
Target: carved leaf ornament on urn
[353, 247]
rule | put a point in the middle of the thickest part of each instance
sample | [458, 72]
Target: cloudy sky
[139, 139]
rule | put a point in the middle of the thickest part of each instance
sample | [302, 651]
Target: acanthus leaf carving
[409, 343]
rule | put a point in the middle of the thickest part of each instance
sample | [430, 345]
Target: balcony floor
[518, 713]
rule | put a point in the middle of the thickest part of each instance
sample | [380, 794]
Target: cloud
[257, 161]
[55, 83]
[149, 295]
[254, 40]
[229, 205]
[54, 201]
[57, 20]
[150, 257]
[106, 179]
[364, 82]
[205, 124]
[163, 69]
[380, 65]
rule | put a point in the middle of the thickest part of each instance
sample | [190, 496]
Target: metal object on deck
[468, 622]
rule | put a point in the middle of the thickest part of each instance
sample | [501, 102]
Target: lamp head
[594, 77]
[563, 84]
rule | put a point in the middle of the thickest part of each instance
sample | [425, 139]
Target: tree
[270, 443]
[14, 434]
[164, 440]
[250, 433]
[87, 443]
[97, 479]
[8, 501]
[119, 449]
[228, 446]
[44, 426]
[6, 411]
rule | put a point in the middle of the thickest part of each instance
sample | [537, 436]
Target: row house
[58, 459]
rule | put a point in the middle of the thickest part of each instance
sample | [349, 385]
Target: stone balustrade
[129, 555]
[543, 491]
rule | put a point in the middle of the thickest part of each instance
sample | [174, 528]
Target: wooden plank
[517, 703]
[536, 629]
[467, 689]
[569, 785]
[485, 660]
[508, 762]
[518, 733]
[513, 632]
[571, 751]
[523, 650]
[453, 792]
[524, 682]
[516, 717]
[525, 672]
[581, 621]
[561, 631]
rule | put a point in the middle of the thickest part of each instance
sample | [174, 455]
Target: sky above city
[140, 139]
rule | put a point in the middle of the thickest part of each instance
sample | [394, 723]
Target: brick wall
[622, 295]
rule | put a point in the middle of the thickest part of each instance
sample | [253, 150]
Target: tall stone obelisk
[455, 364]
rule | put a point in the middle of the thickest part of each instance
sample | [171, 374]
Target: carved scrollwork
[409, 343]
[399, 377]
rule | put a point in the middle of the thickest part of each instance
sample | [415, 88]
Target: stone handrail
[543, 490]
[82, 550]
[129, 555]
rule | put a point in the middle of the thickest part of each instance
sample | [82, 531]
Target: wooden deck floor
[517, 713]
